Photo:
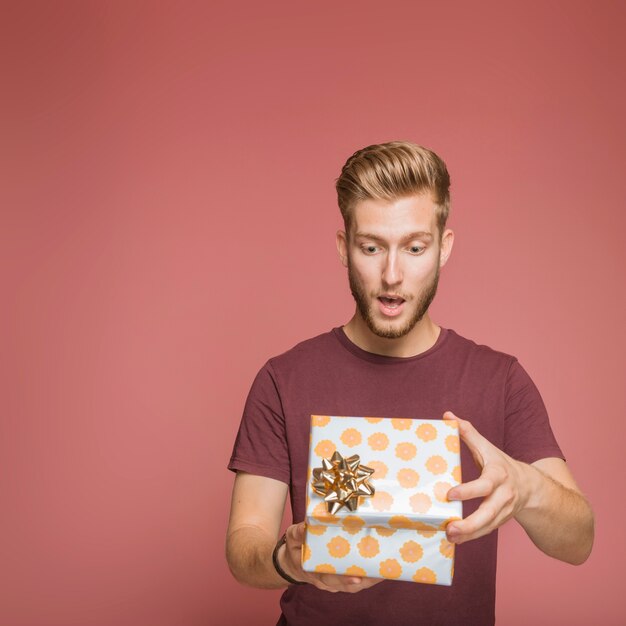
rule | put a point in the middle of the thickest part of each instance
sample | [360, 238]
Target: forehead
[392, 219]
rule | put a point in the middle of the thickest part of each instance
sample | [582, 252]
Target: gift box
[376, 497]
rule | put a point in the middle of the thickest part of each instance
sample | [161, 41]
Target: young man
[391, 359]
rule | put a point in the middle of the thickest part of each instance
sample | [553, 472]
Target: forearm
[249, 555]
[558, 519]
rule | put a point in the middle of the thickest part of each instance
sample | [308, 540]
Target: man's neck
[422, 337]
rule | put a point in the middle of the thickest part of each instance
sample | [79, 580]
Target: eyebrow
[421, 234]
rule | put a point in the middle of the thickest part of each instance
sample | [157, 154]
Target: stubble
[388, 331]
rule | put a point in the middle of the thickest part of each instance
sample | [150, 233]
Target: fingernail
[453, 495]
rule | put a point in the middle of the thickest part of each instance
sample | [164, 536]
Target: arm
[256, 513]
[543, 497]
[557, 517]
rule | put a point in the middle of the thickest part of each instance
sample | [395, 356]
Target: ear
[342, 247]
[447, 240]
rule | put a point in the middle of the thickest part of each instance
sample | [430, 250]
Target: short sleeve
[261, 444]
[528, 436]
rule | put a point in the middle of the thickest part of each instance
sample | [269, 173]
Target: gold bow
[342, 482]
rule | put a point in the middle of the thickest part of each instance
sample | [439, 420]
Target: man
[389, 360]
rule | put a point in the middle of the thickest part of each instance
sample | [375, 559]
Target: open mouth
[391, 305]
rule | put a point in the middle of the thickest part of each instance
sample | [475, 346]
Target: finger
[299, 532]
[295, 535]
[334, 580]
[320, 583]
[348, 584]
[334, 583]
[491, 514]
[365, 584]
[472, 527]
[475, 442]
[492, 477]
[479, 488]
[471, 443]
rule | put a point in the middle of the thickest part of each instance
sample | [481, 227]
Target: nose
[392, 272]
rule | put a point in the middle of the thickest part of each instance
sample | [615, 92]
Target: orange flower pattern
[306, 552]
[420, 502]
[338, 547]
[456, 474]
[401, 424]
[316, 529]
[351, 437]
[355, 570]
[380, 469]
[441, 491]
[374, 420]
[408, 478]
[320, 420]
[368, 547]
[447, 549]
[325, 448]
[406, 451]
[325, 568]
[382, 501]
[321, 514]
[390, 568]
[411, 552]
[401, 522]
[437, 465]
[352, 524]
[378, 441]
[426, 432]
[425, 575]
[452, 443]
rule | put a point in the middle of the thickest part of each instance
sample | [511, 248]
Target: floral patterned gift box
[383, 512]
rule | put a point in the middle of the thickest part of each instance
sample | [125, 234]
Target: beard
[387, 330]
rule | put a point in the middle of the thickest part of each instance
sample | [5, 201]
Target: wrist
[531, 481]
[280, 547]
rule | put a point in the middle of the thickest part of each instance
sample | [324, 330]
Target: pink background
[167, 224]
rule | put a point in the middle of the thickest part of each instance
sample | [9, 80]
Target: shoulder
[307, 351]
[481, 359]
[468, 346]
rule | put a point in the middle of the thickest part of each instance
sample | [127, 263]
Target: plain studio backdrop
[167, 222]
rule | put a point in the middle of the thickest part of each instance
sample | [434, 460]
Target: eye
[371, 249]
[416, 249]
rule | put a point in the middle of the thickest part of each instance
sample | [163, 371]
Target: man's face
[393, 255]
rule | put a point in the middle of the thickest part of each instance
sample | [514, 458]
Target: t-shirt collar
[341, 336]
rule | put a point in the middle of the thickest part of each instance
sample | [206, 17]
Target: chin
[391, 330]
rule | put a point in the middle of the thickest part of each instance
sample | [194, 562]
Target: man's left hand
[503, 483]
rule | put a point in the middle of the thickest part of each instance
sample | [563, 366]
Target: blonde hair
[392, 170]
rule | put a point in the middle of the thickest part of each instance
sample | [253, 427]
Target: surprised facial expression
[393, 255]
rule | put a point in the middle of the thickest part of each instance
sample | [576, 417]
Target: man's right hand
[255, 518]
[289, 558]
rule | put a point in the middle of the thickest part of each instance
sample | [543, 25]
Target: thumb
[298, 532]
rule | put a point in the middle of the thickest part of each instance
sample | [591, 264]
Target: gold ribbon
[341, 482]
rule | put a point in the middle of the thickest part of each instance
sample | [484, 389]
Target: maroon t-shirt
[329, 375]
